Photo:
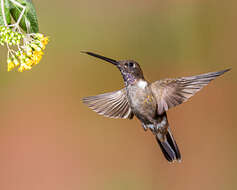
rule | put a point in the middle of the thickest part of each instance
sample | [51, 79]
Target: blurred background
[49, 140]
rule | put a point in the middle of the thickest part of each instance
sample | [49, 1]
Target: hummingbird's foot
[152, 127]
[162, 128]
[144, 127]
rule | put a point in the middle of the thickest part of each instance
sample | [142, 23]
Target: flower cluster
[25, 54]
[10, 37]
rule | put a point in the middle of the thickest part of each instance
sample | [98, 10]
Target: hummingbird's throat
[128, 78]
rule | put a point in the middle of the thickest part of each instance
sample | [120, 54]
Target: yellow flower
[29, 62]
[37, 56]
[22, 56]
[45, 40]
[39, 53]
[38, 35]
[16, 62]
[30, 48]
[21, 69]
[42, 46]
[27, 67]
[36, 48]
[10, 66]
[24, 67]
[29, 53]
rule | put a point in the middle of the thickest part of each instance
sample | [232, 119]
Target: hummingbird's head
[130, 69]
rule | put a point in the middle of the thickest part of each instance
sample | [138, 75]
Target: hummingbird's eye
[131, 64]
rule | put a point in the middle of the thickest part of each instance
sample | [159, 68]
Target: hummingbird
[149, 102]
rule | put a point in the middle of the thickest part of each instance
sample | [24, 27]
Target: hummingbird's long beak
[114, 62]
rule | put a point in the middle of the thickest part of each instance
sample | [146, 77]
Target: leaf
[7, 13]
[29, 22]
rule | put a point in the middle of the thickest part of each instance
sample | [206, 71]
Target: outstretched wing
[113, 104]
[172, 92]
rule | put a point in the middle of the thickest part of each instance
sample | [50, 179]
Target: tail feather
[166, 149]
[169, 147]
[173, 144]
[164, 138]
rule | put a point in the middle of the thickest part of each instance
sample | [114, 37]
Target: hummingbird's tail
[168, 146]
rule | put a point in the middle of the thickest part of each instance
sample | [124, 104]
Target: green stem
[22, 12]
[3, 13]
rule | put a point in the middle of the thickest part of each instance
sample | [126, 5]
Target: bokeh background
[49, 140]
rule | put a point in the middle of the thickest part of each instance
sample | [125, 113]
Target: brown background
[49, 140]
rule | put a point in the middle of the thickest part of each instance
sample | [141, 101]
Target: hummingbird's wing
[112, 104]
[172, 92]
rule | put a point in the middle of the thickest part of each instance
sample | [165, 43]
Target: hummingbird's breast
[141, 100]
